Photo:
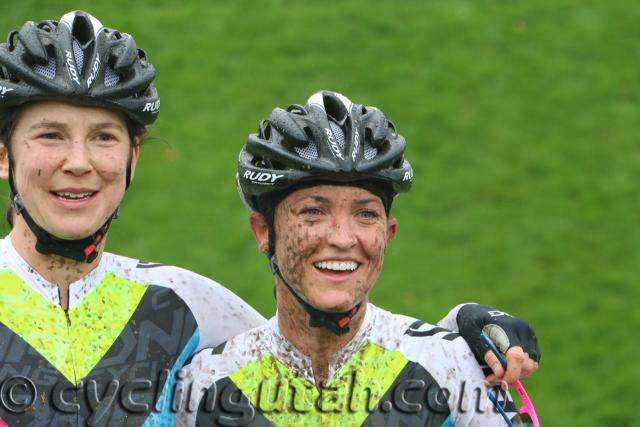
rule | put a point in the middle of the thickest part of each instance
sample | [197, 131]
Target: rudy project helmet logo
[152, 107]
[71, 67]
[335, 148]
[261, 177]
[94, 71]
[356, 145]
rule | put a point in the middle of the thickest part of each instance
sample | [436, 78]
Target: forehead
[66, 113]
[333, 194]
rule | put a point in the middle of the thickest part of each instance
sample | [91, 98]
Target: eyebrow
[359, 202]
[318, 199]
[366, 201]
[49, 124]
[105, 125]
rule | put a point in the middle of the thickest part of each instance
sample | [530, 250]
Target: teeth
[73, 196]
[337, 265]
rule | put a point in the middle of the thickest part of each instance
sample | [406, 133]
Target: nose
[341, 234]
[78, 160]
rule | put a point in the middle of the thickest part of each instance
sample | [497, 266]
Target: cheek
[374, 247]
[295, 243]
[112, 166]
[33, 166]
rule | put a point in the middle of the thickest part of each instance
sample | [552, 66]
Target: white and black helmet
[328, 139]
[77, 59]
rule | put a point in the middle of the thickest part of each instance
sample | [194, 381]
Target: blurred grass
[522, 126]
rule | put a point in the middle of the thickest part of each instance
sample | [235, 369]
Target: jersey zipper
[73, 362]
[69, 334]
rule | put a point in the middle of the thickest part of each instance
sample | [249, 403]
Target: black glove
[503, 329]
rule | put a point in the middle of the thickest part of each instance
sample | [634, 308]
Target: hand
[512, 336]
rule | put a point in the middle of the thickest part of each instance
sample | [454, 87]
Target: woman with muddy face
[329, 243]
[319, 180]
[329, 248]
[75, 100]
[331, 240]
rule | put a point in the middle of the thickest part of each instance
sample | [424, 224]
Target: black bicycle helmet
[328, 139]
[77, 59]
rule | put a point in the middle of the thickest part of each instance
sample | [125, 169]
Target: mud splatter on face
[331, 224]
[297, 244]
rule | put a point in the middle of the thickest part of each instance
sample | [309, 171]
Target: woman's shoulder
[420, 341]
[219, 313]
[186, 283]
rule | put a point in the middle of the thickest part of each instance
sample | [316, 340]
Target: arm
[512, 336]
[220, 313]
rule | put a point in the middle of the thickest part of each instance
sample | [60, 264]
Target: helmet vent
[337, 133]
[369, 151]
[309, 152]
[334, 108]
[46, 26]
[79, 54]
[47, 71]
[110, 77]
[82, 29]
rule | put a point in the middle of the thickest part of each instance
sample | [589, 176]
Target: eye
[369, 214]
[49, 135]
[311, 211]
[106, 137]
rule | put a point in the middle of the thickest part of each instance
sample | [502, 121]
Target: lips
[337, 266]
[336, 271]
[73, 196]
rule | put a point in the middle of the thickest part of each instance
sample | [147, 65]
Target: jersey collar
[77, 290]
[295, 360]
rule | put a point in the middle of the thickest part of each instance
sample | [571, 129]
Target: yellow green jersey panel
[112, 357]
[396, 371]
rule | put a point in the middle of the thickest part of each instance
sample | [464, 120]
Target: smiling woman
[71, 313]
[334, 238]
[325, 226]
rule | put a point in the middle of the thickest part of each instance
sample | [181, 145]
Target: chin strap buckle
[16, 204]
[93, 247]
[342, 322]
[273, 268]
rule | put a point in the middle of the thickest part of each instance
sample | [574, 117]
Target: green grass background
[522, 126]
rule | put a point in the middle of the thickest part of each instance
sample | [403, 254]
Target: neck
[317, 343]
[56, 269]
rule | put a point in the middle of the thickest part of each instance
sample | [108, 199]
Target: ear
[135, 153]
[392, 227]
[260, 229]
[4, 162]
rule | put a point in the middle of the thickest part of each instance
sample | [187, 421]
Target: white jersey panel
[442, 353]
[219, 313]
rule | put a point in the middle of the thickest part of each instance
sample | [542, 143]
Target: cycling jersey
[112, 356]
[396, 371]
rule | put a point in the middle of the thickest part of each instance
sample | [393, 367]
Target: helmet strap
[81, 250]
[336, 322]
